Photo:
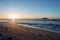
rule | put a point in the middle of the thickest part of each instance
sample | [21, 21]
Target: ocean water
[51, 24]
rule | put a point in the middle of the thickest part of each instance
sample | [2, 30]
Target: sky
[30, 8]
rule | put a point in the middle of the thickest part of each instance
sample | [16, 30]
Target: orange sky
[20, 17]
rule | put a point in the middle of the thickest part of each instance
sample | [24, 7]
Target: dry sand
[12, 31]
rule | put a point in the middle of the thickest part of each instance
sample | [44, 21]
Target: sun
[13, 17]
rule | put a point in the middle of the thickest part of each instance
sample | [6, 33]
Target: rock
[40, 34]
[1, 34]
[9, 38]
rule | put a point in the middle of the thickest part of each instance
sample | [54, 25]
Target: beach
[13, 31]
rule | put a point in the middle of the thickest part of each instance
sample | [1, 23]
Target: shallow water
[51, 24]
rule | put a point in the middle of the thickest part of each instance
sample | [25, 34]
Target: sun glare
[13, 17]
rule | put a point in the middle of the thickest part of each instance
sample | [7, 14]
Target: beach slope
[12, 31]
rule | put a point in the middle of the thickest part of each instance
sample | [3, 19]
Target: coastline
[13, 31]
[39, 28]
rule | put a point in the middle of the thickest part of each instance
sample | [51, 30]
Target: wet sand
[12, 31]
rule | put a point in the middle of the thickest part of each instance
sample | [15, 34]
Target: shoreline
[16, 31]
[39, 28]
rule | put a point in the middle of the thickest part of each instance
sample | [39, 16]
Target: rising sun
[13, 17]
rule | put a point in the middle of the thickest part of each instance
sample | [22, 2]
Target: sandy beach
[12, 31]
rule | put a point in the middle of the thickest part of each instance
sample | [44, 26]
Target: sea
[50, 24]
